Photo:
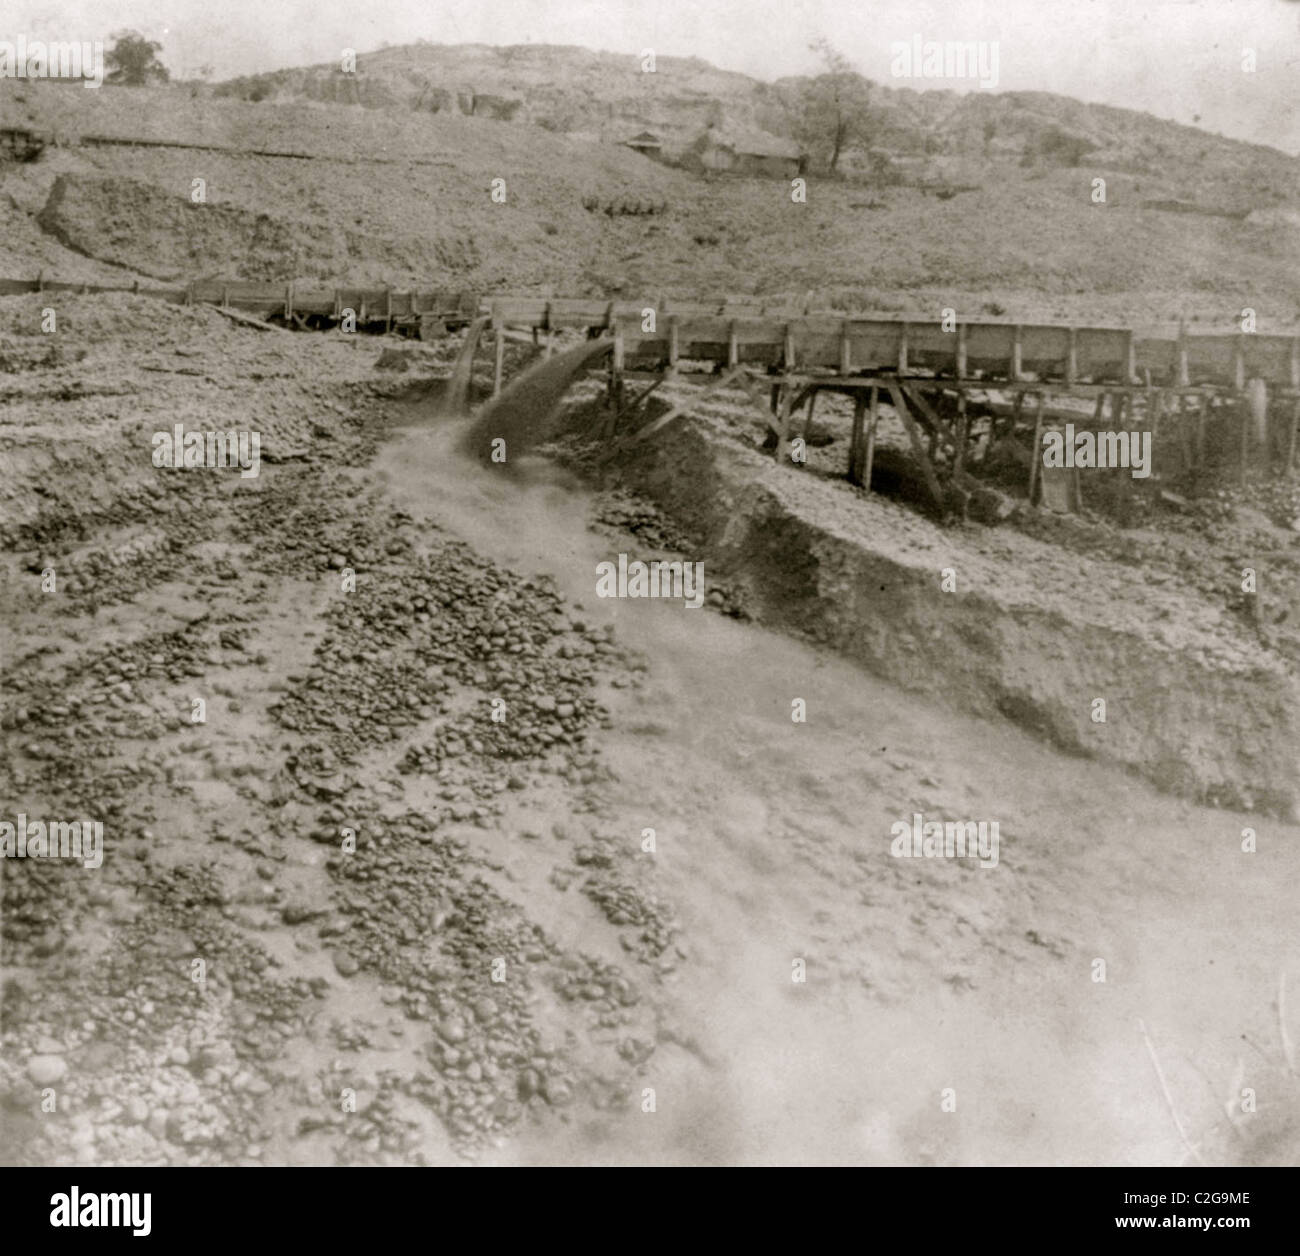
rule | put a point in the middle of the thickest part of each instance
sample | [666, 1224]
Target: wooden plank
[246, 320]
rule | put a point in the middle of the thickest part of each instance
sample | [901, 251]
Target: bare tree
[834, 109]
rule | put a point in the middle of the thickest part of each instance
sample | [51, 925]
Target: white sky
[1173, 58]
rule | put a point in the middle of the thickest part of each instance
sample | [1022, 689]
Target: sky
[1179, 59]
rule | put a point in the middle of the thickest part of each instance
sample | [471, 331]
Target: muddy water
[928, 982]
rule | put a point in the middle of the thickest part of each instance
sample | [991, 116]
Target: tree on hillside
[133, 61]
[833, 110]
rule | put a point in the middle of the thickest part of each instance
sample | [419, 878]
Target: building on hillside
[718, 150]
[647, 143]
[20, 144]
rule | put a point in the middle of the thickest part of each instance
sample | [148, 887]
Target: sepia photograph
[646, 584]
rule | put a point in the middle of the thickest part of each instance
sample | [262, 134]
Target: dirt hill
[577, 91]
[983, 202]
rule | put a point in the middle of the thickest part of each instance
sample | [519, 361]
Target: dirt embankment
[1041, 636]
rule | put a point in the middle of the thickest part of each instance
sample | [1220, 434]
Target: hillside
[605, 95]
[981, 202]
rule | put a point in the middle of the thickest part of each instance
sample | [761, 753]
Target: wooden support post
[616, 369]
[1184, 433]
[872, 420]
[1017, 353]
[918, 448]
[1130, 357]
[1098, 415]
[288, 302]
[788, 349]
[499, 358]
[1184, 378]
[1072, 356]
[846, 350]
[1017, 409]
[855, 439]
[1243, 415]
[1239, 363]
[733, 346]
[673, 344]
[1155, 408]
[961, 350]
[902, 348]
[1036, 452]
[1202, 418]
[960, 455]
[808, 418]
[783, 421]
[225, 296]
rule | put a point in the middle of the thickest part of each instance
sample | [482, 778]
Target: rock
[393, 360]
[45, 1070]
[345, 965]
[136, 1111]
[987, 505]
[556, 1092]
